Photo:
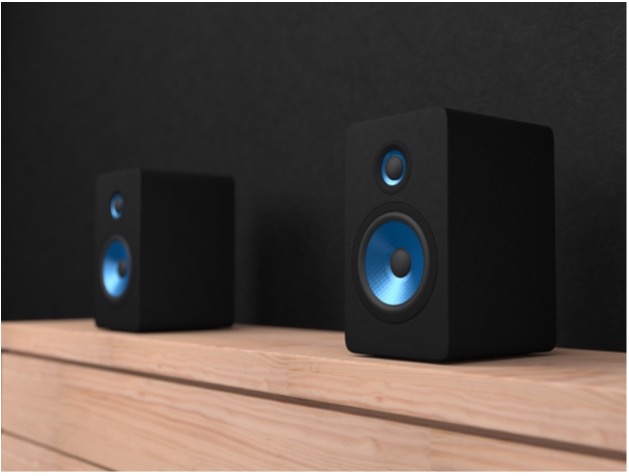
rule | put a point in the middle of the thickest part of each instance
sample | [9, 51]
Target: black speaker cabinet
[450, 240]
[164, 251]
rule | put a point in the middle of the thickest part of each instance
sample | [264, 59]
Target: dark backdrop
[265, 93]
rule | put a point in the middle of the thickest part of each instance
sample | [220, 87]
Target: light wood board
[22, 455]
[131, 422]
[573, 397]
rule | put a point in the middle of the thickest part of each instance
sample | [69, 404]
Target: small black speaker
[164, 251]
[450, 239]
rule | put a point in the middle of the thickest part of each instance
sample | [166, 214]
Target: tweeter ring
[393, 167]
[116, 206]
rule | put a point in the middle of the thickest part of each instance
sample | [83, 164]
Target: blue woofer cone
[394, 262]
[116, 268]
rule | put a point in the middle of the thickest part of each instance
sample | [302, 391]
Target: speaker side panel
[188, 251]
[121, 313]
[423, 135]
[502, 260]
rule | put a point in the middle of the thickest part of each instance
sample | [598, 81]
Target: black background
[265, 93]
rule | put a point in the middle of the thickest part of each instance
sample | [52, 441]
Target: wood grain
[130, 422]
[569, 396]
[21, 455]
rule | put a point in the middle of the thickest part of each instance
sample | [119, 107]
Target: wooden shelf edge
[131, 422]
[569, 396]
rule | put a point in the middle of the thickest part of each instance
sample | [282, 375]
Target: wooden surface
[170, 425]
[21, 455]
[275, 398]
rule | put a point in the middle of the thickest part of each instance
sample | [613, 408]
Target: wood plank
[21, 455]
[460, 452]
[571, 396]
[129, 422]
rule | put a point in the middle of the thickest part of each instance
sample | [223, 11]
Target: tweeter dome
[164, 246]
[449, 237]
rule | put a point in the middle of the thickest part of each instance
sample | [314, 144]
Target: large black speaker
[450, 239]
[164, 251]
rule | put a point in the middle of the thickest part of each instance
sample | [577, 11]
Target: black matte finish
[180, 231]
[265, 93]
[485, 187]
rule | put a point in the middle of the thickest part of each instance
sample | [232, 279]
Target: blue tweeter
[394, 263]
[116, 206]
[393, 168]
[116, 268]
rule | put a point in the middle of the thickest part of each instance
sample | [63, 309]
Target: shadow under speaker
[449, 237]
[164, 245]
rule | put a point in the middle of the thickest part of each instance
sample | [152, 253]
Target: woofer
[115, 269]
[395, 262]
